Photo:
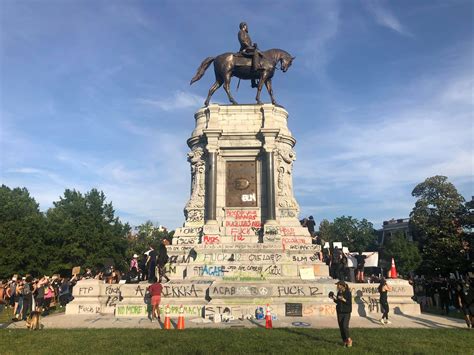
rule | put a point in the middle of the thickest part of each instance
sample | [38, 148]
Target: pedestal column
[269, 135]
[212, 136]
[271, 213]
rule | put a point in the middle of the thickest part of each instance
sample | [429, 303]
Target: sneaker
[381, 321]
[153, 321]
[349, 343]
[388, 322]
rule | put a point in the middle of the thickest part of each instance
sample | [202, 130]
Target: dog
[33, 321]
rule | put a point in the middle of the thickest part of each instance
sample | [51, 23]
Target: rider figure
[247, 47]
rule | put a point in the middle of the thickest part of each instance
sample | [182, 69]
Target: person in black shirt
[310, 224]
[162, 260]
[465, 293]
[360, 277]
[343, 301]
[383, 290]
[444, 295]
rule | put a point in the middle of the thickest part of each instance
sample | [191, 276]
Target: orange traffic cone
[167, 317]
[268, 319]
[393, 270]
[181, 318]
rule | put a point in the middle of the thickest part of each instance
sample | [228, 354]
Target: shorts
[155, 300]
[468, 310]
[39, 302]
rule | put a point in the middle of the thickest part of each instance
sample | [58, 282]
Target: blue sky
[95, 94]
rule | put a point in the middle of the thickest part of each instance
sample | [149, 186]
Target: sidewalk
[62, 321]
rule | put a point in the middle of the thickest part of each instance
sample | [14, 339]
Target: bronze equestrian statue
[248, 64]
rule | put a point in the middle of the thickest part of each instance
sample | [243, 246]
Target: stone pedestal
[242, 186]
[241, 246]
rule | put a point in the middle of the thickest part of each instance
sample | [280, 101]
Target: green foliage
[435, 223]
[22, 233]
[148, 234]
[83, 231]
[354, 234]
[406, 254]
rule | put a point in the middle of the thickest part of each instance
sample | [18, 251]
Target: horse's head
[286, 62]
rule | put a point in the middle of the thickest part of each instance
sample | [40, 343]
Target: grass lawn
[236, 341]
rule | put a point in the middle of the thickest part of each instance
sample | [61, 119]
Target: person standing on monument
[310, 224]
[247, 47]
[162, 260]
[383, 289]
[343, 300]
[151, 263]
[360, 277]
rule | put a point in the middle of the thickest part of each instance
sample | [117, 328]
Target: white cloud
[384, 17]
[372, 164]
[179, 100]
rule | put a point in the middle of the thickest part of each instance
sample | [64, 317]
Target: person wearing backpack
[162, 261]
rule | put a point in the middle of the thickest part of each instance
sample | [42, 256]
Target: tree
[325, 230]
[405, 253]
[354, 234]
[435, 222]
[148, 234]
[22, 232]
[83, 231]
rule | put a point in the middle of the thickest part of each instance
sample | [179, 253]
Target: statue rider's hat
[242, 24]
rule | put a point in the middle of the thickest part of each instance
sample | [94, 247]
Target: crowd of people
[28, 294]
[447, 294]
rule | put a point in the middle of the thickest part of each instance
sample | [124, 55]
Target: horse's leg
[217, 84]
[227, 77]
[268, 84]
[263, 79]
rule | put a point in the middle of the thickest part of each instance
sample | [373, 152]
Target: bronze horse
[232, 64]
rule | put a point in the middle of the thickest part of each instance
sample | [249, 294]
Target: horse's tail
[202, 69]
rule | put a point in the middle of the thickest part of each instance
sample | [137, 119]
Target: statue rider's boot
[254, 68]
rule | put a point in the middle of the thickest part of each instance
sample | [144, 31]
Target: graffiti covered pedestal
[239, 299]
[242, 245]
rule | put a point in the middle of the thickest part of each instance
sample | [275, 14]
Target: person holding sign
[343, 301]
[360, 277]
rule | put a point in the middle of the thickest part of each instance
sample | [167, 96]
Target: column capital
[212, 137]
[269, 137]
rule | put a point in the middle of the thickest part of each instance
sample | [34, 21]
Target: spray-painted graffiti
[181, 291]
[209, 270]
[304, 258]
[250, 215]
[319, 310]
[298, 290]
[86, 309]
[211, 239]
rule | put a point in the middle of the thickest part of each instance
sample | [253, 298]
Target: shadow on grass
[425, 322]
[309, 336]
[260, 325]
